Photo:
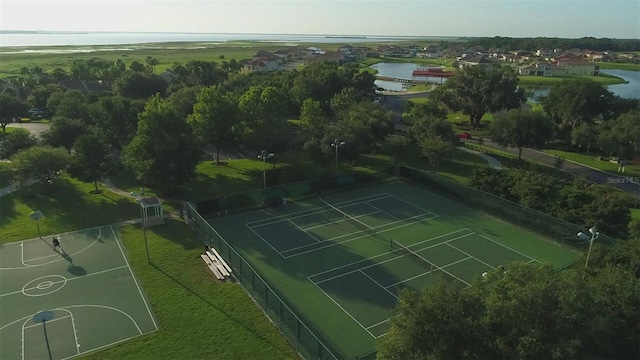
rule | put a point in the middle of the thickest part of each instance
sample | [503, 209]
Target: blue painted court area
[65, 303]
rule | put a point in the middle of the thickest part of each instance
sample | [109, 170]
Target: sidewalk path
[592, 174]
[493, 162]
[11, 188]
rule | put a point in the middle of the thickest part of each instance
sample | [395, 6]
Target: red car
[464, 135]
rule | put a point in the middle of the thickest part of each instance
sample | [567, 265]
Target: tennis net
[424, 262]
[367, 228]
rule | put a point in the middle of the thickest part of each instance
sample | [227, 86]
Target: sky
[513, 18]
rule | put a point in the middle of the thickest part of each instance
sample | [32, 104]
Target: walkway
[493, 162]
[592, 174]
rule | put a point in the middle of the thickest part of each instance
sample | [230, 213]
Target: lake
[87, 38]
[629, 90]
[401, 71]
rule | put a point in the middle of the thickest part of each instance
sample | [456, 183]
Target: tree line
[532, 44]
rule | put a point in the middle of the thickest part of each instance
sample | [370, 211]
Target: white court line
[58, 256]
[134, 279]
[515, 251]
[429, 272]
[345, 311]
[333, 243]
[466, 253]
[268, 243]
[304, 230]
[382, 211]
[337, 221]
[66, 280]
[378, 323]
[378, 263]
[389, 252]
[61, 234]
[408, 203]
[48, 322]
[377, 283]
[309, 212]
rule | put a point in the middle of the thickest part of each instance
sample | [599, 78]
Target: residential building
[577, 67]
[272, 64]
[537, 69]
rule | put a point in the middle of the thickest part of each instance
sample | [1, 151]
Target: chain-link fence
[272, 196]
[287, 320]
[555, 229]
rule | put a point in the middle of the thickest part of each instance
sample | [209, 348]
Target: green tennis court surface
[342, 260]
[88, 291]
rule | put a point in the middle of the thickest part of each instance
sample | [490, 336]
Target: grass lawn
[198, 317]
[591, 160]
[620, 66]
[69, 207]
[603, 79]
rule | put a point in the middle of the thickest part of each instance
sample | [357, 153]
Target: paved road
[627, 184]
[34, 128]
[394, 102]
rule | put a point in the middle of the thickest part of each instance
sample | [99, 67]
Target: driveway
[622, 182]
[34, 128]
[394, 102]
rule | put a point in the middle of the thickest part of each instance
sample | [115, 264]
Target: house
[329, 56]
[545, 52]
[578, 67]
[427, 55]
[537, 69]
[169, 77]
[85, 87]
[473, 61]
[266, 64]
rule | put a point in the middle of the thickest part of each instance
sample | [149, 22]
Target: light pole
[336, 144]
[264, 156]
[37, 215]
[144, 227]
[594, 235]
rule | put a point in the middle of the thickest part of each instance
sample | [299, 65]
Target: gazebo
[151, 211]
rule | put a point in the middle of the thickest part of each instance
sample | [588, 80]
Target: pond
[401, 71]
[629, 90]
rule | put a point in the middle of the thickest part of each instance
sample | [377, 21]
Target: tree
[436, 150]
[263, 112]
[475, 90]
[345, 99]
[214, 115]
[40, 162]
[585, 136]
[92, 160]
[430, 109]
[183, 99]
[138, 85]
[10, 108]
[70, 104]
[162, 154]
[64, 132]
[12, 142]
[573, 102]
[521, 129]
[120, 119]
[152, 62]
[439, 323]
[531, 311]
[313, 125]
[397, 145]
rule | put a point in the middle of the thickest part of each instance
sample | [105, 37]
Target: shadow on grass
[219, 309]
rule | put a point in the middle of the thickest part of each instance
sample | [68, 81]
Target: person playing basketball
[56, 244]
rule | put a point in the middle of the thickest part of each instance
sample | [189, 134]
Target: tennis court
[343, 259]
[66, 303]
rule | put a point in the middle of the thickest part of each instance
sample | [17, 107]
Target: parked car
[464, 135]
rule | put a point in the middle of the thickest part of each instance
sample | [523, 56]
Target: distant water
[120, 38]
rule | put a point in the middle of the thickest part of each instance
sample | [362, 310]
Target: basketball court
[61, 304]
